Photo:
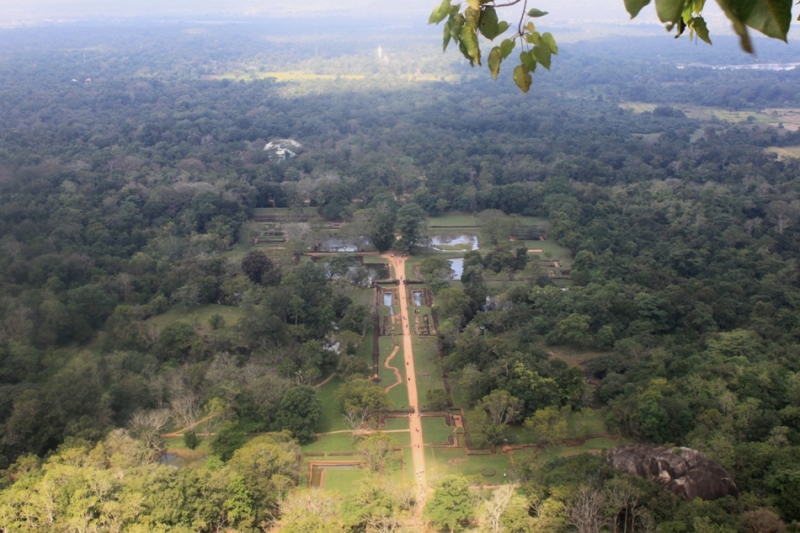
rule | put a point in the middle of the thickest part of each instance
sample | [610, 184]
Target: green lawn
[338, 442]
[426, 361]
[454, 220]
[590, 446]
[198, 316]
[398, 394]
[396, 423]
[434, 430]
[332, 419]
[448, 461]
[344, 480]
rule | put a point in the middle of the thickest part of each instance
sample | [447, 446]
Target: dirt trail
[318, 385]
[180, 432]
[398, 379]
[415, 422]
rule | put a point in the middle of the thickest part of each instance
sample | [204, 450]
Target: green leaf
[634, 6]
[523, 79]
[440, 12]
[495, 58]
[527, 59]
[550, 41]
[502, 27]
[542, 55]
[447, 35]
[456, 23]
[489, 27]
[535, 13]
[474, 4]
[506, 47]
[698, 24]
[770, 17]
[533, 38]
[738, 24]
[669, 10]
[472, 17]
[470, 41]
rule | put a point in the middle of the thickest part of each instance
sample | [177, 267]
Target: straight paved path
[415, 422]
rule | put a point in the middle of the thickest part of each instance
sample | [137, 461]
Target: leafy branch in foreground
[479, 17]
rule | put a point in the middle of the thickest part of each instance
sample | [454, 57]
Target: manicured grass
[374, 260]
[590, 446]
[500, 463]
[448, 461]
[435, 430]
[398, 394]
[402, 439]
[338, 442]
[396, 423]
[198, 316]
[332, 419]
[453, 220]
[556, 251]
[344, 480]
[427, 366]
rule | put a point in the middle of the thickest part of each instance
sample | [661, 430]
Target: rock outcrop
[684, 471]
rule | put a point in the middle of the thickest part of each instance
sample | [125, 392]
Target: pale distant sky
[588, 15]
[27, 11]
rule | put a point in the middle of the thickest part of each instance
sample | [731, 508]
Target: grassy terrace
[198, 316]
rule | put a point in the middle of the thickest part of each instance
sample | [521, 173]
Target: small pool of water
[387, 299]
[446, 243]
[457, 266]
[418, 299]
[333, 244]
[171, 459]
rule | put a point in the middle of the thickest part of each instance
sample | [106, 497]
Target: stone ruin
[683, 471]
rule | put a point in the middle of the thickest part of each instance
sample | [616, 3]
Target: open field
[198, 316]
[785, 152]
[789, 118]
[288, 75]
[573, 356]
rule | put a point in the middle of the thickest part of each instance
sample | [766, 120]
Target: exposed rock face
[684, 471]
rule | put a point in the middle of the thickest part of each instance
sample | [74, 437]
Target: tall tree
[299, 412]
[451, 506]
[260, 268]
[413, 227]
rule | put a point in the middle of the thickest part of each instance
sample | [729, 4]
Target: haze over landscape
[288, 267]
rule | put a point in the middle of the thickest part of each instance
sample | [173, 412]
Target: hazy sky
[27, 11]
[587, 17]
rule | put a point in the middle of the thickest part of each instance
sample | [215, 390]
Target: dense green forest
[132, 165]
